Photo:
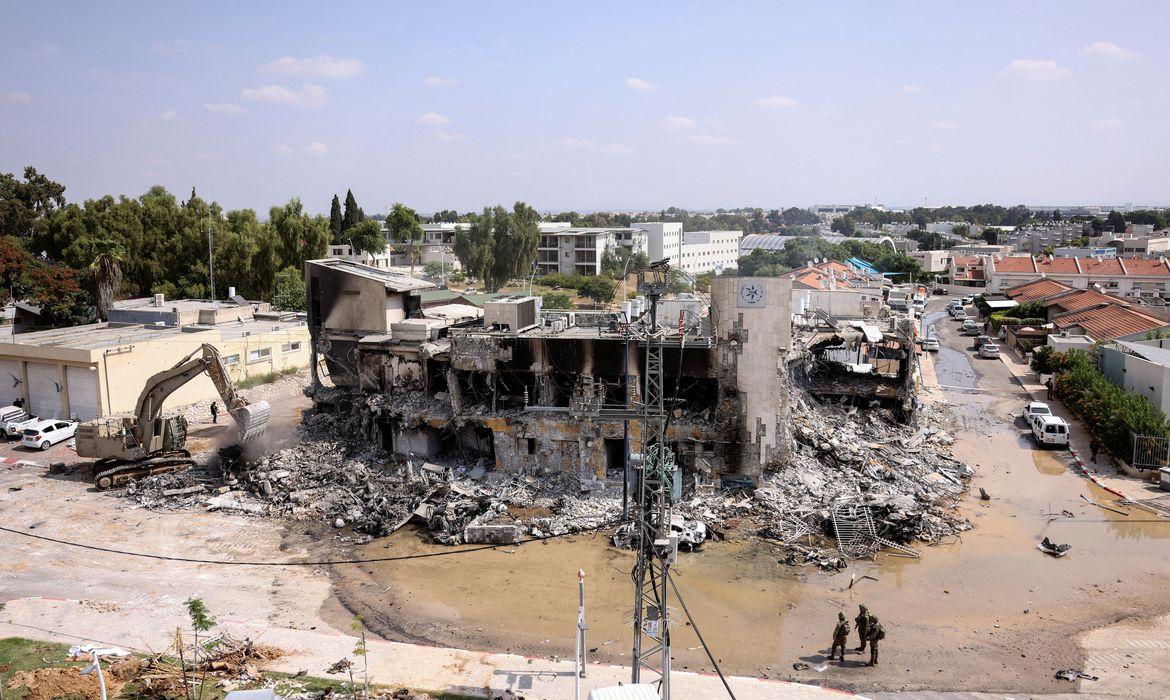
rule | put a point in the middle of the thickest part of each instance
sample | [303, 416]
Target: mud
[987, 612]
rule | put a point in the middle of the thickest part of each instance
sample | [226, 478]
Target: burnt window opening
[530, 444]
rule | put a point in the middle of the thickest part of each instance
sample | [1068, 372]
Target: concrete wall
[1138, 376]
[350, 302]
[754, 333]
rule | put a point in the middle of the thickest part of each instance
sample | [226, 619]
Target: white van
[1050, 430]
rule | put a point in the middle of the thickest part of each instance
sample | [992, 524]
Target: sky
[593, 105]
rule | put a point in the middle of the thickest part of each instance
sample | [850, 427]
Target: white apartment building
[382, 261]
[933, 261]
[579, 250]
[663, 240]
[707, 251]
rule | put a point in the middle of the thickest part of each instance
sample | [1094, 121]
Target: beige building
[100, 369]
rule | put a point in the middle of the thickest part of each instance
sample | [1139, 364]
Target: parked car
[968, 299]
[960, 315]
[44, 434]
[13, 427]
[972, 328]
[940, 291]
[1034, 410]
[989, 351]
[11, 413]
[980, 341]
[1050, 430]
[930, 344]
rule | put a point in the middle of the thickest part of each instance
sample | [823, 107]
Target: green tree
[557, 300]
[1056, 216]
[266, 262]
[499, 245]
[299, 236]
[1115, 222]
[598, 288]
[366, 237]
[361, 651]
[335, 221]
[105, 269]
[353, 213]
[844, 226]
[23, 204]
[201, 621]
[289, 293]
[618, 261]
[405, 228]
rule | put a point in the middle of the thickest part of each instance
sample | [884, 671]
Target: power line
[698, 634]
[326, 562]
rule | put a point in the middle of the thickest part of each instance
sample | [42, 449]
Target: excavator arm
[251, 418]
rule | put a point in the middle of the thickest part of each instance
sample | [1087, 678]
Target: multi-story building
[579, 250]
[1126, 277]
[933, 261]
[967, 270]
[708, 251]
[664, 239]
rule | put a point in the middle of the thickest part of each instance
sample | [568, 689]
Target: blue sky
[597, 105]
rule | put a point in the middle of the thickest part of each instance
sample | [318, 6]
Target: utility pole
[582, 649]
[210, 253]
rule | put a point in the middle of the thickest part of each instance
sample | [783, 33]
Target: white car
[989, 351]
[930, 344]
[13, 427]
[1050, 430]
[960, 315]
[968, 299]
[44, 434]
[1034, 410]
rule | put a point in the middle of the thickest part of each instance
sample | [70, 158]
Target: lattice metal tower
[651, 536]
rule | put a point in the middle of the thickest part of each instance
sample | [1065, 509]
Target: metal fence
[1150, 452]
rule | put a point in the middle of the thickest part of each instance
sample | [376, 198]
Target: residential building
[664, 239]
[708, 251]
[1091, 312]
[384, 260]
[1036, 241]
[1127, 246]
[1140, 367]
[100, 369]
[932, 261]
[579, 250]
[967, 270]
[1126, 277]
[1097, 252]
[980, 249]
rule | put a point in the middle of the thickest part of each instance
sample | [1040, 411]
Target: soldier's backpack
[878, 633]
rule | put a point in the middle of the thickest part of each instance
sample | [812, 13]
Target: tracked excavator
[149, 443]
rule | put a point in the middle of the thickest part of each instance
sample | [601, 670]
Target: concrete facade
[578, 251]
[933, 261]
[708, 251]
[754, 336]
[664, 240]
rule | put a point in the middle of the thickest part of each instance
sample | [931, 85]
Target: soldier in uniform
[862, 619]
[876, 634]
[840, 636]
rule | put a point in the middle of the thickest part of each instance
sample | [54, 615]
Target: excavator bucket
[252, 420]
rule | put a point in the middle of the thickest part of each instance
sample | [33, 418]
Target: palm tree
[106, 258]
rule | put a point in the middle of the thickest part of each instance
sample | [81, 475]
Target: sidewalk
[391, 663]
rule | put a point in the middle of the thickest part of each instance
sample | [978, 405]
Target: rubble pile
[843, 457]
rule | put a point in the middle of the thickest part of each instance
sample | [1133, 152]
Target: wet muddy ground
[987, 612]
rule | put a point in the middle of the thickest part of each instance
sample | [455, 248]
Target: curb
[1092, 477]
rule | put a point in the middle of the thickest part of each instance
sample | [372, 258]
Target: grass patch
[266, 377]
[19, 654]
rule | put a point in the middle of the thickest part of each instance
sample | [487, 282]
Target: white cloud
[677, 123]
[616, 149]
[316, 66]
[1034, 69]
[1106, 50]
[16, 97]
[709, 140]
[911, 88]
[439, 81]
[1106, 124]
[451, 135]
[309, 95]
[574, 142]
[316, 148]
[777, 102]
[282, 149]
[944, 126]
[170, 116]
[433, 119]
[640, 84]
[224, 108]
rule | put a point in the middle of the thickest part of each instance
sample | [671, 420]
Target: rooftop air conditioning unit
[515, 313]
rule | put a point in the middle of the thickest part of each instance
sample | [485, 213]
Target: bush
[265, 377]
[600, 289]
[557, 300]
[1114, 414]
[458, 277]
[1042, 360]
